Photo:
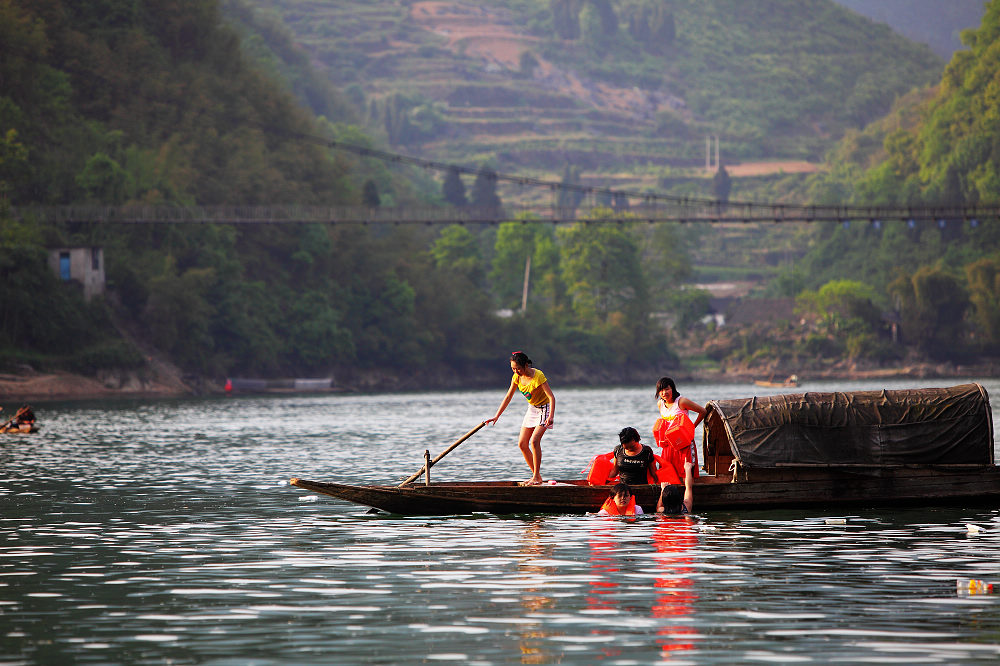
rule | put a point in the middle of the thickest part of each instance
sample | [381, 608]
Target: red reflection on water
[674, 537]
[604, 557]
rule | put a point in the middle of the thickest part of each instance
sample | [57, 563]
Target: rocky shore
[162, 380]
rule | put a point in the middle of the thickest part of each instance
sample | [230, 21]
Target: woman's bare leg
[524, 443]
[536, 454]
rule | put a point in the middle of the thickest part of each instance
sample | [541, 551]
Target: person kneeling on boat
[23, 420]
[677, 500]
[635, 462]
[621, 502]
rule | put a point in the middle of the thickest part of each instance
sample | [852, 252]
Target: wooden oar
[443, 454]
[13, 421]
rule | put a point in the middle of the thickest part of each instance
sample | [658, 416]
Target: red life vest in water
[613, 510]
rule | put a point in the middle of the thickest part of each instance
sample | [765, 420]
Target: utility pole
[708, 153]
[524, 291]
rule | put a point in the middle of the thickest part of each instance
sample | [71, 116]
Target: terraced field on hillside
[491, 83]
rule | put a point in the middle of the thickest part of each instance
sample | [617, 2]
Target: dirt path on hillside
[746, 169]
[492, 37]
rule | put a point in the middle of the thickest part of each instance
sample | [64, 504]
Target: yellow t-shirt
[531, 388]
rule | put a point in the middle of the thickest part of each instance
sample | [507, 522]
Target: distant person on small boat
[534, 386]
[676, 500]
[620, 503]
[635, 463]
[23, 421]
[672, 405]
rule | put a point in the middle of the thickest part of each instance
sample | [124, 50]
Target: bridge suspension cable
[626, 205]
[683, 213]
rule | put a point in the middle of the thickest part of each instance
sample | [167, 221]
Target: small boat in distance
[22, 423]
[789, 382]
[918, 446]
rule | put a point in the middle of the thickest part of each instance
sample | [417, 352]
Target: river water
[164, 531]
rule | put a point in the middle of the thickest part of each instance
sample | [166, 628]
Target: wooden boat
[921, 446]
[790, 382]
[22, 423]
[21, 429]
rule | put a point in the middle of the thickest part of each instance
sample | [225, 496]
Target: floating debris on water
[974, 586]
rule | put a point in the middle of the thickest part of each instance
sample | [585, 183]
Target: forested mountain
[159, 102]
[937, 148]
[608, 86]
[197, 102]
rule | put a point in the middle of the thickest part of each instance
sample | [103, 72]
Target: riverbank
[163, 381]
[157, 379]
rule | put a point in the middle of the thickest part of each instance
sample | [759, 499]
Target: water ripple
[167, 533]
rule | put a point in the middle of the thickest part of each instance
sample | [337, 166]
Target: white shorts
[536, 416]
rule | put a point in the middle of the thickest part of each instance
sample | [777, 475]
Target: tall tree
[457, 252]
[566, 17]
[369, 194]
[722, 184]
[568, 198]
[453, 189]
[984, 294]
[484, 190]
[602, 270]
[932, 304]
[515, 243]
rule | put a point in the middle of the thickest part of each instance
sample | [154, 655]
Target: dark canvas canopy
[917, 426]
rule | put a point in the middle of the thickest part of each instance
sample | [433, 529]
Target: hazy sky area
[933, 22]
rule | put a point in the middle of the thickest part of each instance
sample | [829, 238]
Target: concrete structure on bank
[83, 265]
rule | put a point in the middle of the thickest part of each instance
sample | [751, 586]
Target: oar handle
[451, 448]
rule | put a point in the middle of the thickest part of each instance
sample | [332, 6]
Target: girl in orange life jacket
[533, 385]
[621, 503]
[671, 404]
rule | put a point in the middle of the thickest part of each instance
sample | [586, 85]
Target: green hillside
[938, 147]
[164, 103]
[197, 102]
[625, 92]
[607, 85]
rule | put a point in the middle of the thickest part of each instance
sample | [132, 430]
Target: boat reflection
[534, 599]
[673, 539]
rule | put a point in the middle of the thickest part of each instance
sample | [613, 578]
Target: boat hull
[18, 429]
[791, 488]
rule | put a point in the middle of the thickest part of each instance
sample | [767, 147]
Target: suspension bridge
[708, 213]
[626, 206]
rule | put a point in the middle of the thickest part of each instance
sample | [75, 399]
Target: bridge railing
[680, 211]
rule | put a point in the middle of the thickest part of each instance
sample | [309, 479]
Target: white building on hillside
[83, 265]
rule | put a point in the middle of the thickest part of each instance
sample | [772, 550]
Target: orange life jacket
[613, 510]
[603, 463]
[600, 468]
[676, 432]
[676, 437]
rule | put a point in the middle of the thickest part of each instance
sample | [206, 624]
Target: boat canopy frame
[929, 426]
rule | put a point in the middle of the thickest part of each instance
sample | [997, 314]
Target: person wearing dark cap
[534, 386]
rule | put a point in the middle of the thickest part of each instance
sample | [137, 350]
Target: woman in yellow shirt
[533, 385]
